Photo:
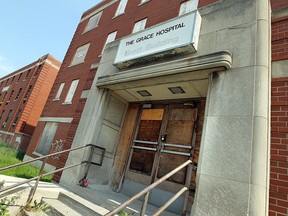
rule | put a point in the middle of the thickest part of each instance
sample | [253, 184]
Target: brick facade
[279, 116]
[23, 95]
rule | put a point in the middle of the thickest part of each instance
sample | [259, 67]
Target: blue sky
[30, 29]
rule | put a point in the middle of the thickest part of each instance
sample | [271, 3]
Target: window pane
[188, 6]
[80, 54]
[140, 25]
[47, 138]
[121, 7]
[59, 91]
[71, 92]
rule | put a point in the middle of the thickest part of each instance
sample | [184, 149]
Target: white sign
[182, 31]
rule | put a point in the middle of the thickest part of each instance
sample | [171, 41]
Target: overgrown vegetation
[11, 156]
[7, 201]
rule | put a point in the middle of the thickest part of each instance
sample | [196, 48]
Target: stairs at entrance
[102, 200]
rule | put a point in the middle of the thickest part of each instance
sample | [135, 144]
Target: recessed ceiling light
[144, 93]
[176, 90]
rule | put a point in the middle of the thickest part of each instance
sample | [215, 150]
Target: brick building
[279, 105]
[155, 83]
[22, 99]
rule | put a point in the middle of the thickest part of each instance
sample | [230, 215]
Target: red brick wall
[280, 38]
[278, 4]
[279, 117]
[279, 148]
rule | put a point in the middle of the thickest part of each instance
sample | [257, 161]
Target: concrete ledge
[222, 59]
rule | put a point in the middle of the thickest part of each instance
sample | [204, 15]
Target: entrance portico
[232, 170]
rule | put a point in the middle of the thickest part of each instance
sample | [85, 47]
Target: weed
[7, 201]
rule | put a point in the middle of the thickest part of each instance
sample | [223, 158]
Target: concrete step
[109, 200]
[57, 208]
[81, 205]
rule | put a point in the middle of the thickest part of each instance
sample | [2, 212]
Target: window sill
[118, 15]
[75, 64]
[86, 31]
[56, 99]
[66, 103]
[142, 3]
[37, 154]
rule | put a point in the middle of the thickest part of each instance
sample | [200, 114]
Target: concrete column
[233, 169]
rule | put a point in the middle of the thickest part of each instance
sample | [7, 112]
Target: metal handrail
[41, 174]
[147, 190]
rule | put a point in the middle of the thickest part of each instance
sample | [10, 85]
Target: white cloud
[4, 67]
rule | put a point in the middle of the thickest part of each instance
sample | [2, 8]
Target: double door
[163, 140]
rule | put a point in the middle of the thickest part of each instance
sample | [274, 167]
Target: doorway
[163, 139]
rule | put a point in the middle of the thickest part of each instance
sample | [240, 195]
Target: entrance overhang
[189, 73]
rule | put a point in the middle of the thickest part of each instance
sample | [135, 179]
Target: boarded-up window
[188, 6]
[47, 138]
[93, 22]
[111, 37]
[57, 97]
[80, 54]
[121, 7]
[71, 91]
[140, 25]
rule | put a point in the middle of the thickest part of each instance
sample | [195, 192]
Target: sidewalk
[45, 189]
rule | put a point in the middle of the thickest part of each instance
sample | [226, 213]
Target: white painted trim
[55, 119]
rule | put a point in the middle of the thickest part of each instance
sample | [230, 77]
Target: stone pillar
[233, 169]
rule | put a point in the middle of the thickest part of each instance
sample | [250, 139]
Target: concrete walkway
[49, 190]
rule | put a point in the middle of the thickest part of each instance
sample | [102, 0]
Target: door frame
[140, 177]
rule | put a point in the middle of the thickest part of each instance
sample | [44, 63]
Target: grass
[9, 156]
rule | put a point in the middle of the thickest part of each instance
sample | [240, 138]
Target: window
[71, 91]
[140, 25]
[38, 70]
[121, 7]
[10, 95]
[27, 74]
[17, 96]
[47, 138]
[19, 77]
[8, 116]
[93, 22]
[57, 97]
[16, 119]
[80, 54]
[2, 114]
[28, 92]
[111, 37]
[188, 6]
